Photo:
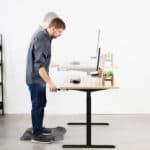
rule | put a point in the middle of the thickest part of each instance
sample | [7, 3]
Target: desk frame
[88, 124]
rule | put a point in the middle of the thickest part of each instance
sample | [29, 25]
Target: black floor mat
[57, 132]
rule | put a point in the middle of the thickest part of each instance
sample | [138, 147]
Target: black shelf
[1, 105]
[1, 80]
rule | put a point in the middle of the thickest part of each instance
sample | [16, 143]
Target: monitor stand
[94, 73]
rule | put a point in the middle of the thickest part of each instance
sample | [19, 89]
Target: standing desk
[88, 84]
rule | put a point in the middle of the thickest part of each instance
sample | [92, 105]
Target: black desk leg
[84, 123]
[88, 129]
[88, 118]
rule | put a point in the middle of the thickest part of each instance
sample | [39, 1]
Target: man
[46, 21]
[49, 16]
[38, 60]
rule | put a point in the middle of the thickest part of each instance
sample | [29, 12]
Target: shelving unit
[1, 78]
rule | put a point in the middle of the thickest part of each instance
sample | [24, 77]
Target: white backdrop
[125, 31]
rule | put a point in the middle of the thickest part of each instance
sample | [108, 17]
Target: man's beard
[54, 37]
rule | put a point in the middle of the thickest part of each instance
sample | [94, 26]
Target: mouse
[75, 81]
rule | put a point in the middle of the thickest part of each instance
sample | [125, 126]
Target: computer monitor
[98, 41]
[98, 58]
[98, 51]
[96, 73]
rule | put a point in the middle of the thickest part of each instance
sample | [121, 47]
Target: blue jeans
[38, 99]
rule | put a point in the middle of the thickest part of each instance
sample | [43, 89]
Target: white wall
[125, 31]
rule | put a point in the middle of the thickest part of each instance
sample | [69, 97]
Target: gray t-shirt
[39, 55]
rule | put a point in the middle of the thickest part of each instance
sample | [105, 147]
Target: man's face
[57, 32]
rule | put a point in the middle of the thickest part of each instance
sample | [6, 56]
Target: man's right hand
[52, 87]
[47, 79]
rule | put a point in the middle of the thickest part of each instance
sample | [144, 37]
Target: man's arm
[43, 74]
[40, 56]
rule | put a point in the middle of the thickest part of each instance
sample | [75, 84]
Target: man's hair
[57, 23]
[50, 16]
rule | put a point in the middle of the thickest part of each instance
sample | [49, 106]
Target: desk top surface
[86, 83]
